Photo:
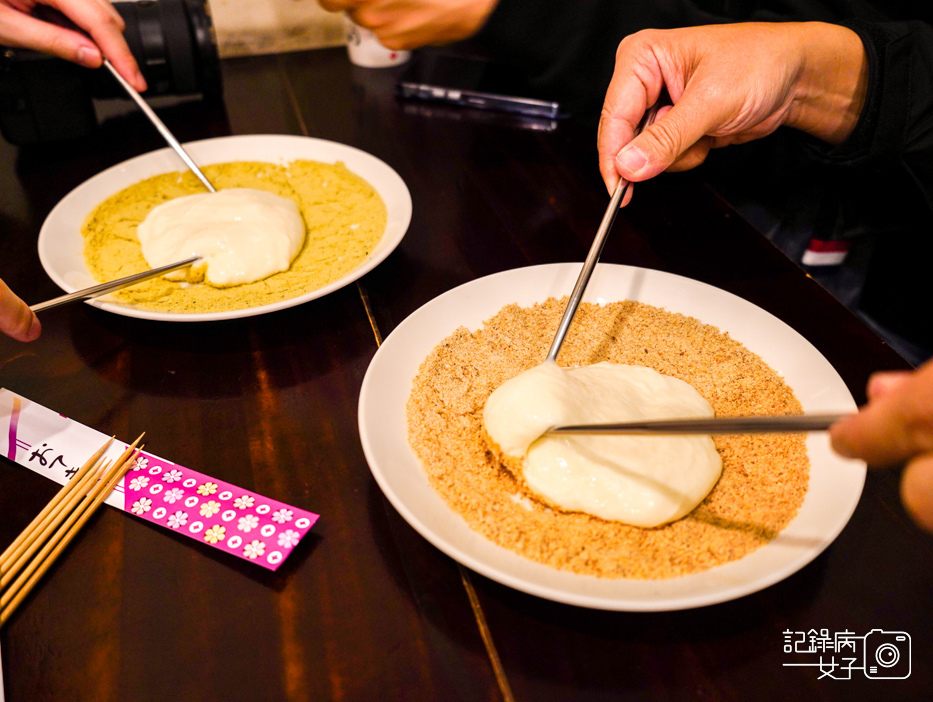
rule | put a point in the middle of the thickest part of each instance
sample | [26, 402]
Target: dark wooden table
[365, 609]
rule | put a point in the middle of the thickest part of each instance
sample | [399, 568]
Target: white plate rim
[64, 221]
[835, 481]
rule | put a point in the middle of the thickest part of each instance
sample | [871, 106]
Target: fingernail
[140, 81]
[35, 328]
[88, 56]
[631, 160]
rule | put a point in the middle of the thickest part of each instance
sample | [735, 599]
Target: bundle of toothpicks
[25, 561]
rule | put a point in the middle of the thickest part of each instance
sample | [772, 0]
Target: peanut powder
[764, 477]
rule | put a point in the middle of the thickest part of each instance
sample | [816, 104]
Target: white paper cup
[365, 50]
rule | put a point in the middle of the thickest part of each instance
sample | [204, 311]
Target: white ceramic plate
[61, 244]
[835, 484]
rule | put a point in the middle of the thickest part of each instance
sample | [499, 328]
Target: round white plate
[61, 245]
[835, 484]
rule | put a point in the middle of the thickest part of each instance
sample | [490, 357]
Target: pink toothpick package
[241, 522]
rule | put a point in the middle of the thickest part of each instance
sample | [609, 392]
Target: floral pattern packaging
[226, 517]
[222, 515]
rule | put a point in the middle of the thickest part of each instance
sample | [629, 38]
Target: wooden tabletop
[366, 609]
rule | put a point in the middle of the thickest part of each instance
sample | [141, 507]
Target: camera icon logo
[887, 655]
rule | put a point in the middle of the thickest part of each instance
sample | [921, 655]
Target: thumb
[16, 319]
[671, 136]
[892, 427]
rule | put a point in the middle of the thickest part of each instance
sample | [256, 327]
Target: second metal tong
[113, 285]
[712, 425]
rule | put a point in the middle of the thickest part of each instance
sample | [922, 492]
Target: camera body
[887, 655]
[43, 98]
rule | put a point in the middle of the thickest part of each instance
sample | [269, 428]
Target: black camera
[43, 98]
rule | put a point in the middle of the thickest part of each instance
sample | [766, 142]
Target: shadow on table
[276, 580]
[224, 358]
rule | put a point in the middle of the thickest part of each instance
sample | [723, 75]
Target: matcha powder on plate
[344, 219]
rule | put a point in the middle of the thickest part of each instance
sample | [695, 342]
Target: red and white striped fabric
[825, 252]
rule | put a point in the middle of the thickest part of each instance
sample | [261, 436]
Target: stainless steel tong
[593, 256]
[160, 125]
[710, 425]
[119, 284]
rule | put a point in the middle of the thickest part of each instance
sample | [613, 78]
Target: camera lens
[174, 44]
[43, 98]
[887, 655]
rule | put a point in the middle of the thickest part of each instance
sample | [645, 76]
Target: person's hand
[895, 427]
[729, 84]
[409, 24]
[16, 319]
[18, 28]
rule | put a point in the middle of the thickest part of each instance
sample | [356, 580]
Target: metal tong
[160, 125]
[710, 425]
[56, 17]
[593, 256]
[119, 284]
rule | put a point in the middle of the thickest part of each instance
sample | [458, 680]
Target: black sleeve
[567, 47]
[896, 124]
